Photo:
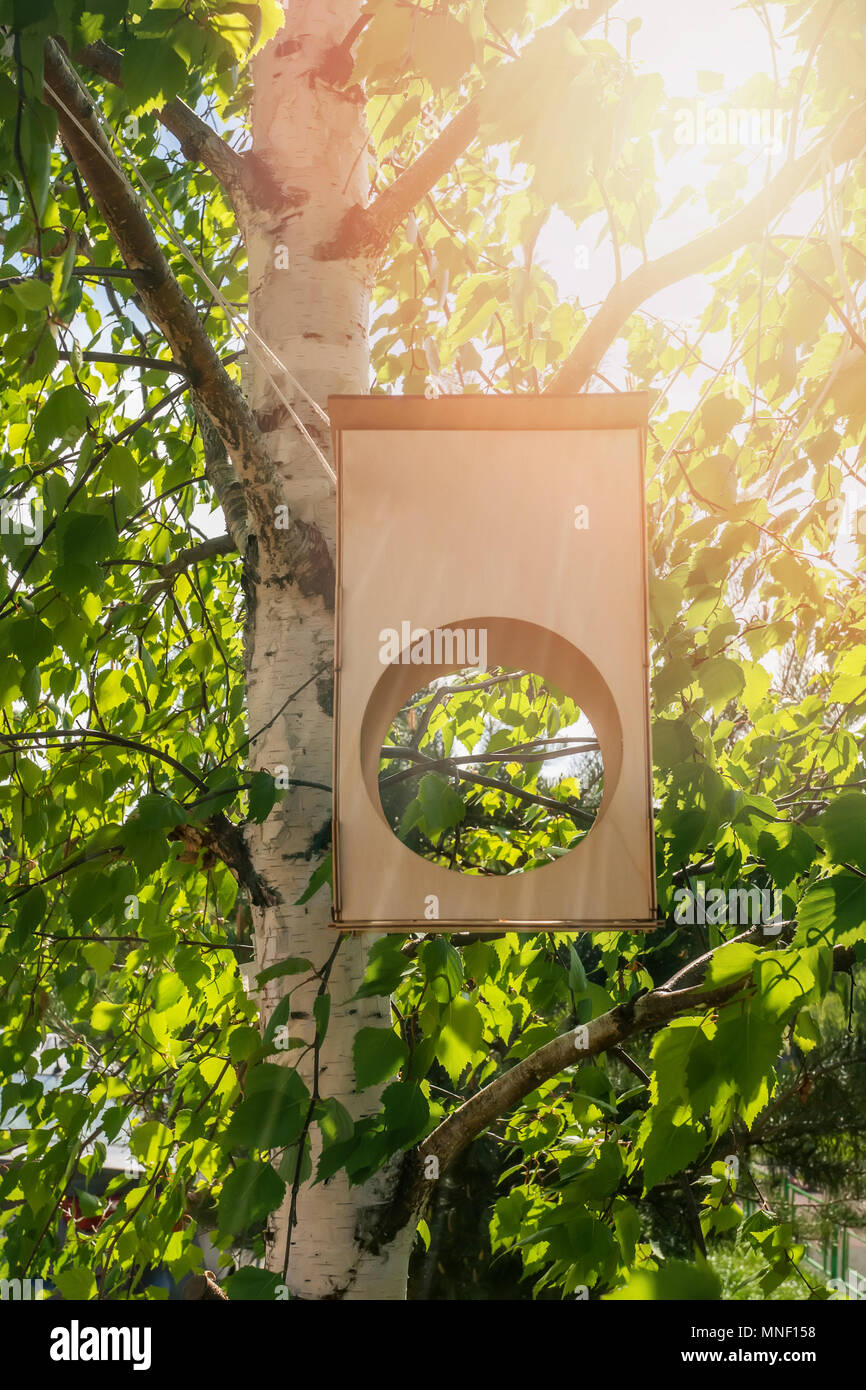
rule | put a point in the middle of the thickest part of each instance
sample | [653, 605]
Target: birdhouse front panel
[491, 534]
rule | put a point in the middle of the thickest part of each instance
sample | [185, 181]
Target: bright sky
[679, 39]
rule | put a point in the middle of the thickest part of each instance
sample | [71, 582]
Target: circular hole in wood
[491, 772]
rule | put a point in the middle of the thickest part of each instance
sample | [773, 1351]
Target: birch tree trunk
[309, 142]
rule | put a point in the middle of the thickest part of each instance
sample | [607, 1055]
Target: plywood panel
[460, 512]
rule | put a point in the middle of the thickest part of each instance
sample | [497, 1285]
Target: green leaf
[77, 1283]
[31, 910]
[288, 1165]
[31, 640]
[407, 112]
[444, 50]
[38, 131]
[674, 1281]
[599, 1179]
[386, 967]
[784, 979]
[443, 968]
[263, 794]
[292, 965]
[249, 1284]
[322, 1014]
[666, 599]
[672, 678]
[729, 963]
[145, 834]
[378, 1054]
[249, 1194]
[201, 654]
[749, 1039]
[105, 1015]
[668, 1147]
[460, 1036]
[441, 805]
[244, 1042]
[320, 876]
[278, 1018]
[121, 467]
[99, 956]
[334, 1121]
[673, 742]
[63, 415]
[787, 851]
[717, 416]
[33, 294]
[150, 1141]
[269, 1118]
[167, 989]
[384, 43]
[721, 681]
[843, 826]
[833, 912]
[153, 74]
[576, 972]
[406, 1114]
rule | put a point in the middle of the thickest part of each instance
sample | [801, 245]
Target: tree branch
[199, 141]
[124, 359]
[206, 550]
[297, 554]
[604, 1034]
[367, 231]
[825, 294]
[406, 752]
[450, 766]
[218, 838]
[706, 250]
[103, 736]
[221, 476]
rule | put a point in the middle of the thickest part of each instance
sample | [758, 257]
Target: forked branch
[367, 231]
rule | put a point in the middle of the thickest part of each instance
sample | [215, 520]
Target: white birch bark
[313, 315]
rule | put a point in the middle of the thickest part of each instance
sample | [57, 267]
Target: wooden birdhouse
[498, 534]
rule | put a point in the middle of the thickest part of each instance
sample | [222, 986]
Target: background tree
[166, 682]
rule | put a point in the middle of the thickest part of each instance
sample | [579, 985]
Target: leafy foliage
[122, 744]
[484, 766]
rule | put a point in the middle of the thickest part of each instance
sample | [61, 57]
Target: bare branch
[706, 250]
[424, 763]
[207, 549]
